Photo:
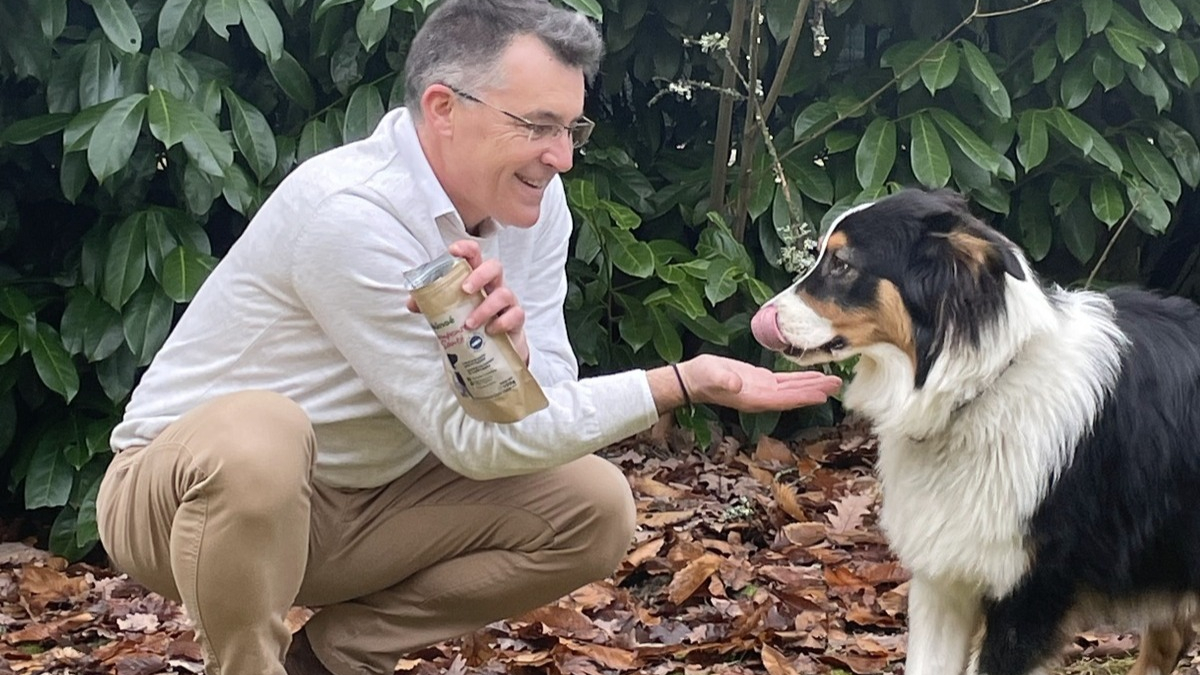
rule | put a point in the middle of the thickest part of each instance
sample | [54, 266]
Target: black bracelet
[687, 398]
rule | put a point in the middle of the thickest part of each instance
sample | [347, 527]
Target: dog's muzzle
[765, 327]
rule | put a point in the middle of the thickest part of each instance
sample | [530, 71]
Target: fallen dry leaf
[849, 512]
[646, 551]
[771, 450]
[609, 657]
[776, 663]
[788, 501]
[804, 534]
[688, 580]
[44, 585]
[665, 518]
[13, 553]
[139, 623]
[652, 488]
[560, 621]
[141, 664]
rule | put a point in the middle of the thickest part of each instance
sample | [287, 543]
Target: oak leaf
[849, 512]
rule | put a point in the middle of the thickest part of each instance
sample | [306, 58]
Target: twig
[785, 60]
[1004, 12]
[723, 140]
[731, 93]
[756, 122]
[758, 115]
[1111, 242]
[749, 147]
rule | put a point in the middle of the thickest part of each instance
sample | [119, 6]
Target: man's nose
[560, 154]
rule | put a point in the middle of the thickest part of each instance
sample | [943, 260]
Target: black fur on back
[1123, 520]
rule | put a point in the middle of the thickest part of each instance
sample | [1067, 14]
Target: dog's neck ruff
[969, 398]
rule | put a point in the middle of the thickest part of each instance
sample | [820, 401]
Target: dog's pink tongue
[766, 329]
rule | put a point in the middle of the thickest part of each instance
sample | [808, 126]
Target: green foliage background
[137, 137]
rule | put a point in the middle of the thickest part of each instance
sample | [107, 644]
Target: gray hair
[461, 41]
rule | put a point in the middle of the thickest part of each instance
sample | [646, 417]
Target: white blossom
[711, 41]
[680, 89]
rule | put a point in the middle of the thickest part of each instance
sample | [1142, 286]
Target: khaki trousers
[221, 512]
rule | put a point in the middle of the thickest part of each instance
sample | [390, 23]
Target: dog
[1039, 448]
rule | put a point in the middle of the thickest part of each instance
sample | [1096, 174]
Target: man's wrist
[665, 388]
[687, 396]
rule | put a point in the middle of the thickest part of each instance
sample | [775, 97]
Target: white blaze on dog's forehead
[821, 248]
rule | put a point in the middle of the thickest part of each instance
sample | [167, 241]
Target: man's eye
[540, 131]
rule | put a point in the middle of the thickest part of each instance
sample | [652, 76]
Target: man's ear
[437, 108]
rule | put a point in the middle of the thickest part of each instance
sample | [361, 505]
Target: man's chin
[521, 217]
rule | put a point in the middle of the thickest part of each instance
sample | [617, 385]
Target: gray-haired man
[295, 441]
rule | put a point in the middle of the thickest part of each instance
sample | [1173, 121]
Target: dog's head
[914, 272]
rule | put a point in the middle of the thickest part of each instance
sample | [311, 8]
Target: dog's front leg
[942, 620]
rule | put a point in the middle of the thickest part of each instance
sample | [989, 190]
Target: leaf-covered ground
[748, 560]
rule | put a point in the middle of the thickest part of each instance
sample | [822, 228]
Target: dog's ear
[973, 244]
[983, 248]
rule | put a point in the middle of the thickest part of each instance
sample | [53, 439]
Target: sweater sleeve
[551, 358]
[347, 269]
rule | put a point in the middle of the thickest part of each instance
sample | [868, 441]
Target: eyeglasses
[579, 131]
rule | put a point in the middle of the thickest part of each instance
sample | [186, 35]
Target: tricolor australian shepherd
[1039, 448]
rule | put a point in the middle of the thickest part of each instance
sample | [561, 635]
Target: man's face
[494, 168]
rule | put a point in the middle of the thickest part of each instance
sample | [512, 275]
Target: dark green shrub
[138, 136]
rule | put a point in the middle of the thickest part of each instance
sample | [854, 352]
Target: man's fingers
[803, 376]
[468, 250]
[494, 306]
[511, 320]
[808, 380]
[787, 399]
[811, 398]
[488, 275]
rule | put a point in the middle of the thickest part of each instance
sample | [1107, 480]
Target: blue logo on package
[476, 342]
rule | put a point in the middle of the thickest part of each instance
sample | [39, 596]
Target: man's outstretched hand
[735, 384]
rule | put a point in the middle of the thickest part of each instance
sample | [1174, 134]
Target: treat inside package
[487, 375]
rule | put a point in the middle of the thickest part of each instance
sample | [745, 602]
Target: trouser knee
[256, 449]
[607, 518]
[244, 459]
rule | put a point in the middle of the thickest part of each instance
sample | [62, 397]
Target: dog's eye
[838, 267]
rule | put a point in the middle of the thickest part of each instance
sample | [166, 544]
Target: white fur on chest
[966, 460]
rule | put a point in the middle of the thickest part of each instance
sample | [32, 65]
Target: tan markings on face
[886, 322]
[836, 240]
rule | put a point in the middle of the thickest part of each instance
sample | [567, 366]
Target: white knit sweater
[310, 303]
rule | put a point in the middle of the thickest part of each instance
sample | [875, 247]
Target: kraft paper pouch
[485, 372]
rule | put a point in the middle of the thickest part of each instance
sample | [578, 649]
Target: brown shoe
[301, 659]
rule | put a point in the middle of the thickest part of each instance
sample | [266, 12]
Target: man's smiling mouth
[537, 185]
